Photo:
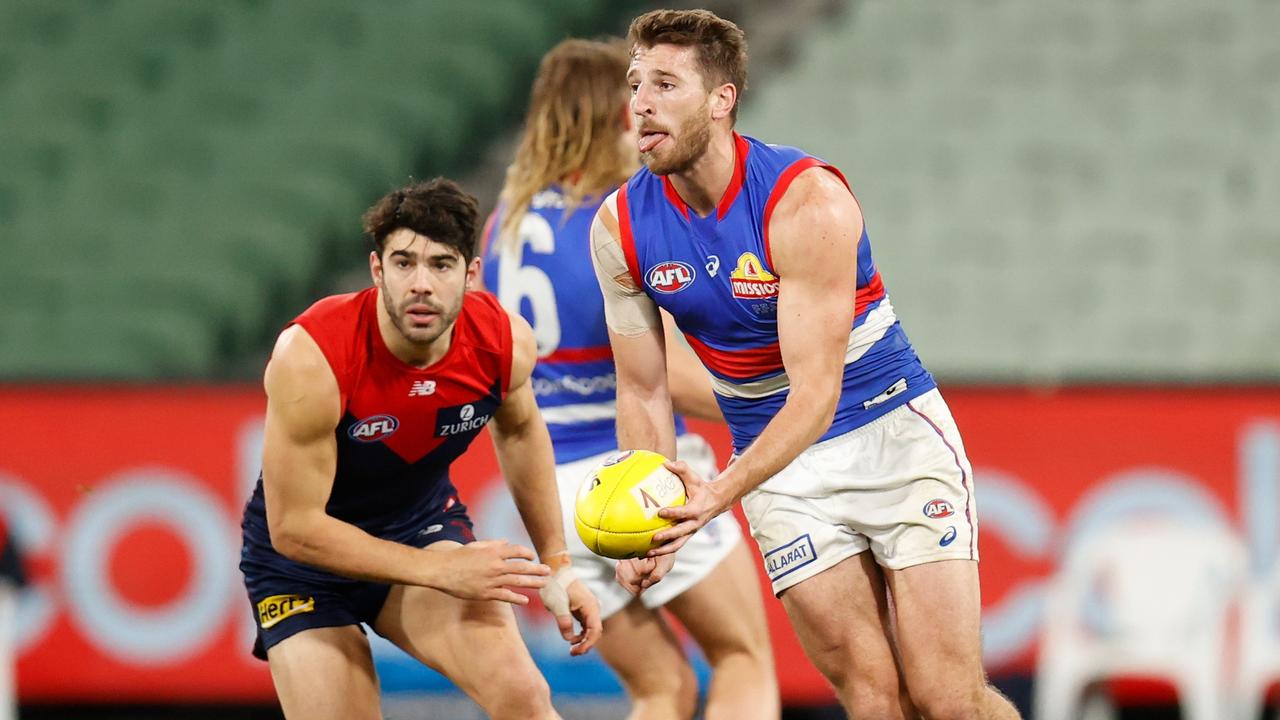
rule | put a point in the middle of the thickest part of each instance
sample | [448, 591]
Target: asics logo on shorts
[273, 609]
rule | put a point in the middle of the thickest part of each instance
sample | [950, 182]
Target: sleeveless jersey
[547, 277]
[716, 277]
[401, 426]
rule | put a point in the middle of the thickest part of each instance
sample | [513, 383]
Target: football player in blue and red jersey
[578, 145]
[370, 397]
[848, 464]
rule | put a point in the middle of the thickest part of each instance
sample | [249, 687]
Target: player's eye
[634, 87]
[666, 86]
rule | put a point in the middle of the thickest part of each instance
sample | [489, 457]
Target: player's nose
[641, 102]
[420, 281]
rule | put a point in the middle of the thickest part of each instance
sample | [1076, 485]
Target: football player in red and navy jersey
[370, 397]
[849, 466]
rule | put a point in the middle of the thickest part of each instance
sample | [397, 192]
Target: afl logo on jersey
[373, 429]
[750, 281]
[670, 277]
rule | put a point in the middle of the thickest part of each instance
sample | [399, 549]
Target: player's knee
[948, 703]
[867, 702]
[745, 648]
[836, 664]
[664, 689]
[519, 695]
[867, 692]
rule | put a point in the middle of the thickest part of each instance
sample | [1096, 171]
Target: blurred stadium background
[1075, 205]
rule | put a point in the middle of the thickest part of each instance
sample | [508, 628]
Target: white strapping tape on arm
[555, 594]
[627, 310]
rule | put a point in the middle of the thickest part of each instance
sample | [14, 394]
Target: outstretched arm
[690, 383]
[524, 451]
[645, 420]
[814, 241]
[523, 446]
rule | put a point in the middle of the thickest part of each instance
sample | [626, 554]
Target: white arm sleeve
[627, 310]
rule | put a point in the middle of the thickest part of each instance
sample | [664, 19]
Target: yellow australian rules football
[616, 511]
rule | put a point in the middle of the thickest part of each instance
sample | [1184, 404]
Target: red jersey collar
[740, 149]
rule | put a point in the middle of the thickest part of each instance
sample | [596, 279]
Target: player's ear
[375, 267]
[473, 273]
[723, 99]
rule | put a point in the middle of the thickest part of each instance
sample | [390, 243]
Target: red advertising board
[128, 500]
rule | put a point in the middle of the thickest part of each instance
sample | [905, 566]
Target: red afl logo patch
[936, 509]
[670, 277]
[373, 429]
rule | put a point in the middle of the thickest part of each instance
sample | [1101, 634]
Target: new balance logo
[422, 387]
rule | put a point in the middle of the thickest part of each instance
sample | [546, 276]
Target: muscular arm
[690, 383]
[814, 241]
[524, 448]
[299, 460]
[636, 335]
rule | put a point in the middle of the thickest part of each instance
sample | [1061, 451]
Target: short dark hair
[438, 209]
[722, 46]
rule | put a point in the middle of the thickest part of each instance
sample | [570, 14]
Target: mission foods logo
[750, 281]
[670, 277]
[373, 429]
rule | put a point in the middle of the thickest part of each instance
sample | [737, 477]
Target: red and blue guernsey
[401, 426]
[716, 278]
[546, 276]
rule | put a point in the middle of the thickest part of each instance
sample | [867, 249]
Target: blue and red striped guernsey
[547, 277]
[715, 275]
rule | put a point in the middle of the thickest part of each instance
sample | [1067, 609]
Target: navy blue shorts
[287, 597]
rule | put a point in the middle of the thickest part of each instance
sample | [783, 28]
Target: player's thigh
[725, 612]
[463, 639]
[325, 672]
[841, 617]
[642, 648]
[938, 609]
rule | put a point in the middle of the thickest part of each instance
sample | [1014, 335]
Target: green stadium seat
[199, 169]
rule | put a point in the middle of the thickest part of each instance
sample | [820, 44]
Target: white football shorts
[694, 561]
[900, 486]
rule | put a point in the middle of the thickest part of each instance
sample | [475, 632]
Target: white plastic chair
[1259, 644]
[1144, 597]
[8, 630]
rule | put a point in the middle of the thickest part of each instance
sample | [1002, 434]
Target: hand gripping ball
[616, 511]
